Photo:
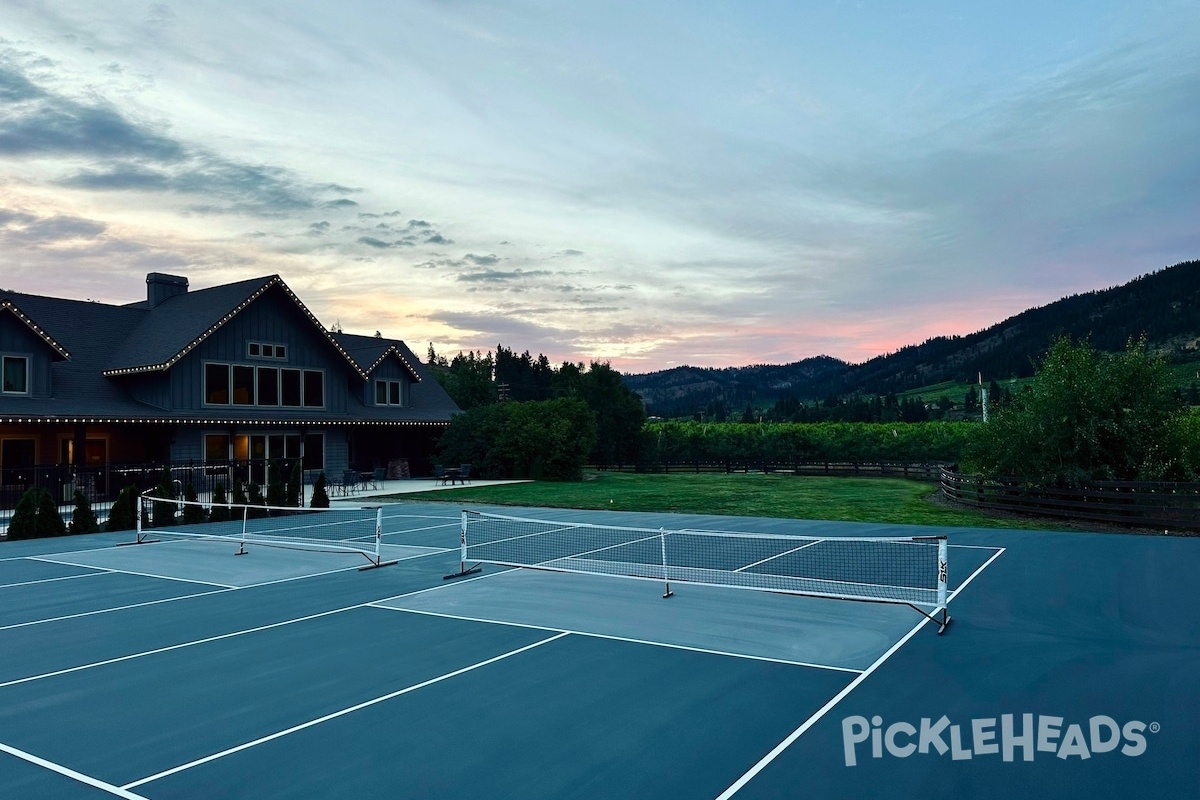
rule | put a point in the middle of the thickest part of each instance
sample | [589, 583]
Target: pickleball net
[909, 570]
[325, 530]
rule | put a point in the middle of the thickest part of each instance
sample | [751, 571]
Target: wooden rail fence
[1133, 504]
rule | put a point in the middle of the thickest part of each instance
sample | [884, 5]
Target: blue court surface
[178, 669]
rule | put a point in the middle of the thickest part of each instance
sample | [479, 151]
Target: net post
[378, 536]
[943, 580]
[141, 502]
[662, 542]
[943, 554]
[242, 544]
[462, 540]
[463, 569]
[377, 561]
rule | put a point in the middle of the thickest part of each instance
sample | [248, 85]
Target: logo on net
[1010, 737]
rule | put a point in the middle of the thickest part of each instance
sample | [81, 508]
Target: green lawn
[745, 494]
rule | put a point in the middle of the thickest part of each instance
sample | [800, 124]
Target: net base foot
[378, 564]
[463, 572]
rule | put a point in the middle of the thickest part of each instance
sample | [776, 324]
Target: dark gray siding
[17, 340]
[271, 319]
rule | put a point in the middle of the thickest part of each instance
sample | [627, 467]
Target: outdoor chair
[349, 481]
[439, 473]
[464, 473]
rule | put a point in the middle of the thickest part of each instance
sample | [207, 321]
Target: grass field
[746, 494]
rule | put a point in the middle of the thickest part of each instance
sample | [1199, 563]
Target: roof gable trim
[392, 349]
[41, 333]
[216, 326]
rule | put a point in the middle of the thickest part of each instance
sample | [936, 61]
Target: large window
[243, 385]
[247, 385]
[290, 381]
[15, 371]
[216, 384]
[314, 388]
[268, 386]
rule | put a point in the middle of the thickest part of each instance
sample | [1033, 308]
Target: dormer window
[266, 350]
[389, 393]
[14, 372]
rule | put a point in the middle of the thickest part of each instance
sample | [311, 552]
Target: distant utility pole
[502, 391]
[983, 393]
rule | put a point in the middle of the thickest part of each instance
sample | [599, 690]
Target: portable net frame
[909, 571]
[326, 530]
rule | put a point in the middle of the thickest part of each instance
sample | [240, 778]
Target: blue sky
[650, 183]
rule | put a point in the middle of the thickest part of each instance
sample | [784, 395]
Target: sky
[650, 183]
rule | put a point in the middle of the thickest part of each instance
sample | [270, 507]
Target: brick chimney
[160, 286]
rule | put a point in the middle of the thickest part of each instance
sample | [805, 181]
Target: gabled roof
[370, 352]
[94, 342]
[7, 304]
[179, 324]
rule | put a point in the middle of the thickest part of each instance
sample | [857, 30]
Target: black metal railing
[101, 484]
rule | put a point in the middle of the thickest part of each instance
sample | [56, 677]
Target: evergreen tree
[49, 521]
[23, 524]
[220, 505]
[163, 514]
[123, 514]
[255, 501]
[83, 518]
[193, 512]
[276, 490]
[295, 486]
[320, 498]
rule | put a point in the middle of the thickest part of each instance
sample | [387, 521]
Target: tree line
[524, 418]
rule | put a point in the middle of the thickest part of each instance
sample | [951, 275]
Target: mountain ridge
[1163, 306]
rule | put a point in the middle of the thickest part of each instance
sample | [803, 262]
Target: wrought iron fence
[101, 484]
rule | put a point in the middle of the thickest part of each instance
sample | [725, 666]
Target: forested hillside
[1163, 306]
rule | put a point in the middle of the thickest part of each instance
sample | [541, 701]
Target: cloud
[437, 238]
[483, 261]
[497, 276]
[126, 154]
[15, 87]
[24, 229]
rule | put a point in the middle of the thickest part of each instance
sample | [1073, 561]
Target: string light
[45, 337]
[272, 281]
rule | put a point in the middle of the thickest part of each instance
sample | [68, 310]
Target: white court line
[971, 577]
[204, 594]
[358, 707]
[98, 571]
[837, 698]
[209, 639]
[781, 555]
[132, 572]
[613, 637]
[180, 646]
[109, 610]
[70, 773]
[418, 530]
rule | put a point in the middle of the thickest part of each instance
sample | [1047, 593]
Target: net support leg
[939, 617]
[463, 569]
